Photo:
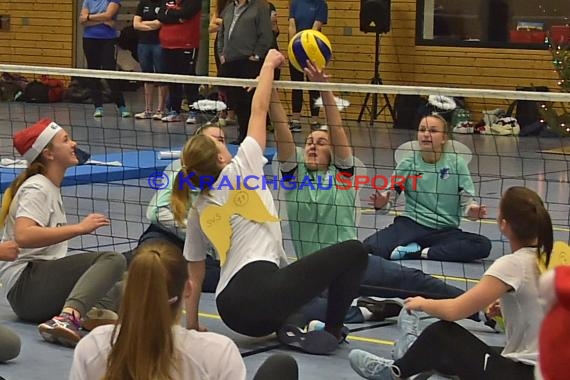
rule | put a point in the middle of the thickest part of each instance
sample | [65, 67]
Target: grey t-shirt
[40, 200]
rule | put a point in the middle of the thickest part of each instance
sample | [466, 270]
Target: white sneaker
[158, 115]
[191, 118]
[464, 128]
[371, 366]
[143, 115]
[172, 116]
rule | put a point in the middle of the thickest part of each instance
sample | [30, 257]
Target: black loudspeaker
[375, 16]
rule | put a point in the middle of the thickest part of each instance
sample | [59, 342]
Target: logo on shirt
[444, 173]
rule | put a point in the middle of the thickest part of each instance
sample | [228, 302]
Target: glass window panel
[491, 23]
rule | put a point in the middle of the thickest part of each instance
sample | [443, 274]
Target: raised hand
[314, 74]
[93, 221]
[274, 58]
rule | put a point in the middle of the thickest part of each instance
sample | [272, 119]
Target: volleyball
[310, 45]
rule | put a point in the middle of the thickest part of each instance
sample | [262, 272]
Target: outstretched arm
[339, 140]
[475, 299]
[283, 135]
[29, 234]
[260, 103]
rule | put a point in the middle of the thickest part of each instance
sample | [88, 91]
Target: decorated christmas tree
[560, 124]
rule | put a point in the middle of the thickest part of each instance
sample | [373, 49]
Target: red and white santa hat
[30, 142]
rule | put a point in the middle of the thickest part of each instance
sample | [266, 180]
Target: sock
[425, 253]
[366, 314]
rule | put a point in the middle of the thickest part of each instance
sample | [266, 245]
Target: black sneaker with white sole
[380, 309]
[295, 126]
[318, 342]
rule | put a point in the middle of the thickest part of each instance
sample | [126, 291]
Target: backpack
[527, 112]
[36, 92]
[406, 111]
[56, 88]
[12, 86]
[47, 90]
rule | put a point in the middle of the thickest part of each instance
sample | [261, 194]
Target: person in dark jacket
[245, 37]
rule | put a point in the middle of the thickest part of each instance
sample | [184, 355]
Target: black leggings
[449, 349]
[261, 297]
[182, 62]
[297, 95]
[101, 55]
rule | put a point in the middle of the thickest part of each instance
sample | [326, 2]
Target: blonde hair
[144, 345]
[199, 157]
[440, 118]
[35, 167]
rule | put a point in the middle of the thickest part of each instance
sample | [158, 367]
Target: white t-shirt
[201, 355]
[40, 200]
[250, 241]
[520, 307]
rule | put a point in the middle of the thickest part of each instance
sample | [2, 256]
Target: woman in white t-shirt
[43, 283]
[258, 293]
[448, 348]
[155, 290]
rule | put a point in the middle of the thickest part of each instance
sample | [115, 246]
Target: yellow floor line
[370, 340]
[459, 279]
[211, 316]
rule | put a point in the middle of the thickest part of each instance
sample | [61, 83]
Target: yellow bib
[215, 220]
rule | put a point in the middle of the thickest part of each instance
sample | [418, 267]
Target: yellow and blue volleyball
[309, 45]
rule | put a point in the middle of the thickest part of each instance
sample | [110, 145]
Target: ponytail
[199, 158]
[545, 238]
[180, 199]
[529, 220]
[144, 345]
[36, 167]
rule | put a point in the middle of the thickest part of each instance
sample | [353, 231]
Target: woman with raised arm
[162, 222]
[258, 292]
[319, 218]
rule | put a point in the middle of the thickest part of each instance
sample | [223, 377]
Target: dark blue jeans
[388, 279]
[449, 244]
[150, 58]
[156, 232]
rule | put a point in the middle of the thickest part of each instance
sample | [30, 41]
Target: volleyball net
[508, 138]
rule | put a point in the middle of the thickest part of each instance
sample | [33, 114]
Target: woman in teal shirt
[320, 214]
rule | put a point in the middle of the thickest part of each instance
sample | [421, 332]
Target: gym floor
[498, 163]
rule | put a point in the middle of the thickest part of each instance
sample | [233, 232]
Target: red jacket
[180, 24]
